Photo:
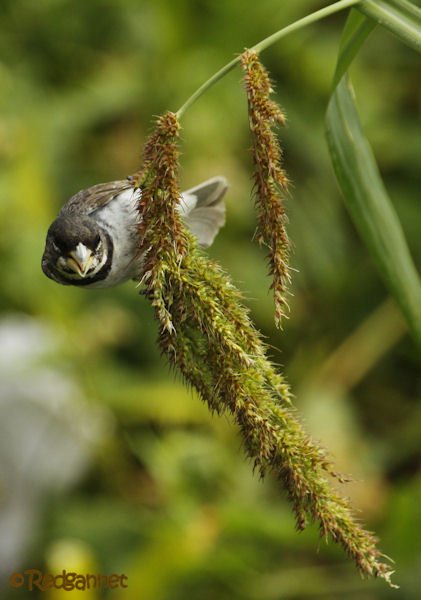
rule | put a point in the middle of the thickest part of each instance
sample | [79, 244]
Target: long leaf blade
[369, 204]
[355, 32]
[399, 16]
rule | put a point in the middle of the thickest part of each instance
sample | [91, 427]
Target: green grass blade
[356, 30]
[399, 16]
[369, 204]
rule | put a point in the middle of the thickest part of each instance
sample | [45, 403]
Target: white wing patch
[203, 209]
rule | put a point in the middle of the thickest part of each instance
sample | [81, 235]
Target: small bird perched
[93, 241]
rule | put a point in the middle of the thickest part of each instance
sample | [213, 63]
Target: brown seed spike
[270, 179]
[160, 229]
[206, 333]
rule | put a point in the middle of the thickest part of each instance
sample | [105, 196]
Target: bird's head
[77, 251]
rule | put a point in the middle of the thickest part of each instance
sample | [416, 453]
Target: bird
[93, 242]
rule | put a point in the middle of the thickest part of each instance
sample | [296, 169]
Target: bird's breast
[120, 218]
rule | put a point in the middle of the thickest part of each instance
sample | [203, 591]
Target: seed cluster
[271, 182]
[207, 335]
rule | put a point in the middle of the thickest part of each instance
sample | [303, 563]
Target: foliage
[168, 497]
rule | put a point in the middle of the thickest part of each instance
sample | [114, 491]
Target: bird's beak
[80, 259]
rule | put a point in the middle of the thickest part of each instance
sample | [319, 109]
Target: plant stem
[262, 45]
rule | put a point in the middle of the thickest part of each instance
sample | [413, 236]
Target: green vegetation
[166, 496]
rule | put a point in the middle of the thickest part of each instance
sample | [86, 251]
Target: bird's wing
[203, 209]
[97, 196]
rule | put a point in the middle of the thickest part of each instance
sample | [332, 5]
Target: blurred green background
[107, 463]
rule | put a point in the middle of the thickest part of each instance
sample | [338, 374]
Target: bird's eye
[55, 247]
